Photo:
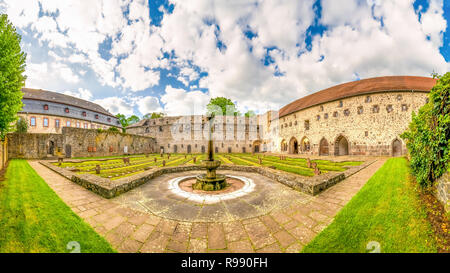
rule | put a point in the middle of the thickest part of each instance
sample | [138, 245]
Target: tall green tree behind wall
[12, 78]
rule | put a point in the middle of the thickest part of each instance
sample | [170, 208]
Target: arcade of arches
[341, 146]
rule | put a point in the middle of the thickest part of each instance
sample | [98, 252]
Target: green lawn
[114, 168]
[386, 210]
[34, 219]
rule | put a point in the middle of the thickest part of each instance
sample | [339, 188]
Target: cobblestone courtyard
[273, 218]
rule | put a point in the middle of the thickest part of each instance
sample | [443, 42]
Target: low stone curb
[111, 188]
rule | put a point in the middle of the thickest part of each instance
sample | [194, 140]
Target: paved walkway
[130, 229]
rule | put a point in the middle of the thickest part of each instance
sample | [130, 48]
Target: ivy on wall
[427, 137]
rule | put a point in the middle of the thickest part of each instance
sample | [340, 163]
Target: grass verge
[387, 210]
[34, 219]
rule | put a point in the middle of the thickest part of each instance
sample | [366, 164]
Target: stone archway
[323, 147]
[189, 149]
[293, 146]
[51, 147]
[256, 146]
[305, 145]
[283, 145]
[341, 146]
[396, 147]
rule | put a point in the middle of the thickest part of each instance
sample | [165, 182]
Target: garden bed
[109, 188]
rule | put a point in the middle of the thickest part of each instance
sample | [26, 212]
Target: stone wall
[443, 190]
[366, 131]
[33, 146]
[189, 134]
[3, 153]
[77, 142]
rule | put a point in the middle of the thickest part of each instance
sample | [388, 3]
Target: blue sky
[136, 57]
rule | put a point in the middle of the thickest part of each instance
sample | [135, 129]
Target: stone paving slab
[131, 227]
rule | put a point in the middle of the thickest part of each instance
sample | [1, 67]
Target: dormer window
[45, 106]
[83, 113]
[66, 110]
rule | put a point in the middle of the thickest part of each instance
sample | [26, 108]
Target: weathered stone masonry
[77, 142]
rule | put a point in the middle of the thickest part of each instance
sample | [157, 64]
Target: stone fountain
[211, 181]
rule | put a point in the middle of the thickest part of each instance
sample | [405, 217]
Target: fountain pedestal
[210, 181]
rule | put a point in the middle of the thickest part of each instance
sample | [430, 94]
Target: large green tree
[12, 78]
[154, 115]
[226, 105]
[250, 113]
[125, 122]
[428, 135]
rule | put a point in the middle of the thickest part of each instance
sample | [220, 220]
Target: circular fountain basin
[237, 186]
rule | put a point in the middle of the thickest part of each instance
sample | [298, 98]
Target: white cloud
[148, 104]
[65, 72]
[81, 93]
[135, 76]
[41, 75]
[116, 105]
[181, 102]
[367, 38]
[22, 14]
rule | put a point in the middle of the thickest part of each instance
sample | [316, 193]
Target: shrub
[427, 137]
[113, 129]
[22, 125]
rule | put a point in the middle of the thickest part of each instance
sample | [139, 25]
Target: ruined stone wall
[189, 134]
[94, 143]
[442, 192]
[370, 124]
[32, 146]
[77, 142]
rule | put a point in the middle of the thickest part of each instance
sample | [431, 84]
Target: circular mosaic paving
[166, 197]
[238, 186]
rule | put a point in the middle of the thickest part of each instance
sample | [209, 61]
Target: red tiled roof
[366, 86]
